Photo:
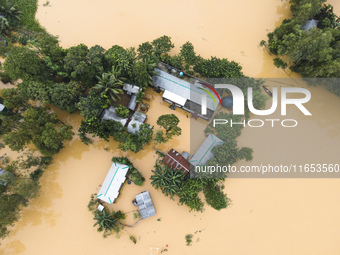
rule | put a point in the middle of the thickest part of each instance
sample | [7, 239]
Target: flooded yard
[267, 216]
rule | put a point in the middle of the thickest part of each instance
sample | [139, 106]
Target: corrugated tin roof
[204, 154]
[132, 104]
[110, 114]
[310, 24]
[2, 107]
[114, 180]
[145, 205]
[176, 161]
[192, 92]
[137, 119]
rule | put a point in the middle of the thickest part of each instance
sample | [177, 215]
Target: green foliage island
[309, 42]
[89, 80]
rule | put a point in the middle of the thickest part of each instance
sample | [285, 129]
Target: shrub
[122, 111]
[133, 174]
[215, 197]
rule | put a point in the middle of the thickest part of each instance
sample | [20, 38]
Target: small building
[204, 153]
[133, 91]
[3, 172]
[3, 108]
[145, 205]
[110, 114]
[137, 119]
[185, 95]
[177, 161]
[130, 89]
[310, 24]
[133, 102]
[113, 182]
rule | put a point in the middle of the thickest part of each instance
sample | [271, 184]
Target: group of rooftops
[179, 93]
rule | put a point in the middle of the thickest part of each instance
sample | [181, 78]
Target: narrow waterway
[267, 216]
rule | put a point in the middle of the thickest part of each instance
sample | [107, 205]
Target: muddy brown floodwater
[267, 216]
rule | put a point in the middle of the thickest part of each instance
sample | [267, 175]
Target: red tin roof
[176, 161]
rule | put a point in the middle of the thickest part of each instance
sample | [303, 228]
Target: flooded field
[267, 216]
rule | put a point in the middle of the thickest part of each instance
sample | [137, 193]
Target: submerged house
[3, 108]
[177, 161]
[110, 114]
[4, 173]
[204, 153]
[113, 182]
[183, 94]
[137, 119]
[133, 91]
[145, 205]
[310, 24]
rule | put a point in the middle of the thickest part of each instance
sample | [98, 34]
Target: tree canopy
[313, 52]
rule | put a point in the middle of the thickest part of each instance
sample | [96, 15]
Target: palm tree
[105, 220]
[10, 11]
[167, 179]
[4, 25]
[110, 84]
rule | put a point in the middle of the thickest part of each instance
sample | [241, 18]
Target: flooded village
[266, 216]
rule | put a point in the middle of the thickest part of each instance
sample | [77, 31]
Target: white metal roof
[137, 119]
[113, 182]
[110, 114]
[174, 98]
[192, 92]
[131, 88]
[204, 153]
[2, 107]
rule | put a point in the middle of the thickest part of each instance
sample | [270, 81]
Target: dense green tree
[77, 64]
[50, 140]
[97, 60]
[17, 140]
[133, 173]
[53, 54]
[92, 105]
[10, 11]
[327, 18]
[9, 212]
[170, 123]
[42, 128]
[160, 137]
[26, 187]
[66, 95]
[36, 90]
[24, 63]
[314, 53]
[110, 84]
[122, 59]
[189, 55]
[9, 122]
[215, 197]
[218, 68]
[167, 179]
[162, 46]
[145, 51]
[142, 74]
[4, 26]
[135, 142]
[188, 194]
[13, 98]
[107, 221]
